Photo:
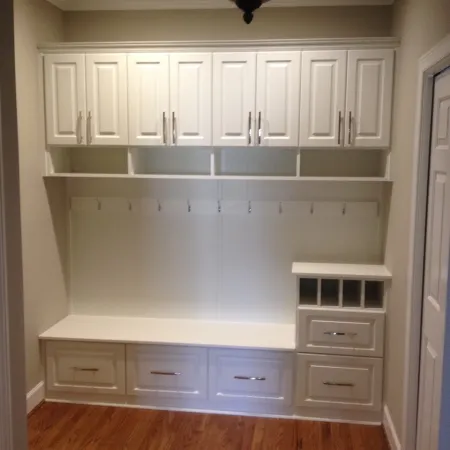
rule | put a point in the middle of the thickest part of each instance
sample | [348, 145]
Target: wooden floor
[56, 426]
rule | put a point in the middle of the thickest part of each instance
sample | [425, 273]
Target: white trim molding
[35, 397]
[389, 429]
[433, 62]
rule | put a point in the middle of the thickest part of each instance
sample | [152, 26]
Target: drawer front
[351, 333]
[85, 368]
[339, 382]
[167, 372]
[251, 377]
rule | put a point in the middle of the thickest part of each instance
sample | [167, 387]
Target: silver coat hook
[280, 208]
[249, 207]
[311, 209]
[189, 206]
[344, 209]
[130, 206]
[159, 206]
[99, 205]
[219, 207]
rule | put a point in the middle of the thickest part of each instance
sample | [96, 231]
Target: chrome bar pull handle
[240, 377]
[164, 129]
[89, 128]
[259, 128]
[250, 128]
[174, 129]
[339, 127]
[79, 132]
[350, 120]
[330, 383]
[339, 333]
[170, 374]
[85, 369]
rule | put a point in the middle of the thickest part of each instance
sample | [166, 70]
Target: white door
[369, 98]
[65, 99]
[148, 93]
[278, 99]
[191, 99]
[436, 271]
[323, 98]
[107, 100]
[234, 90]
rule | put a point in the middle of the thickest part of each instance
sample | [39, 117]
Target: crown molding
[255, 45]
[123, 5]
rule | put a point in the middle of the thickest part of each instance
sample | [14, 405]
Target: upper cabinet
[278, 99]
[369, 97]
[65, 99]
[191, 98]
[346, 98]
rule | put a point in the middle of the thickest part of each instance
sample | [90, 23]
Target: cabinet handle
[172, 374]
[164, 129]
[339, 333]
[89, 128]
[239, 377]
[79, 133]
[330, 383]
[85, 369]
[350, 119]
[340, 127]
[250, 128]
[174, 129]
[259, 128]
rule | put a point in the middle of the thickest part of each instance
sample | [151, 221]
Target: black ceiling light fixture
[248, 6]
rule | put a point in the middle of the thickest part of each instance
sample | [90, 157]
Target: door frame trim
[430, 64]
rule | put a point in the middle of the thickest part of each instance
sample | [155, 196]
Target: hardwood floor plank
[59, 426]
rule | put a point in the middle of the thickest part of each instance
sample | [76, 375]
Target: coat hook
[311, 209]
[130, 206]
[219, 206]
[189, 206]
[280, 208]
[159, 206]
[250, 207]
[344, 209]
[99, 205]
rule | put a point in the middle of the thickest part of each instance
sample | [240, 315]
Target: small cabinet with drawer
[78, 367]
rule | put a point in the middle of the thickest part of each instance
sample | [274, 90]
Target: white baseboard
[35, 396]
[391, 432]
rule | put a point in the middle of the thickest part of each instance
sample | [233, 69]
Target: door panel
[65, 99]
[278, 98]
[322, 98]
[436, 271]
[369, 97]
[148, 90]
[191, 98]
[234, 90]
[107, 100]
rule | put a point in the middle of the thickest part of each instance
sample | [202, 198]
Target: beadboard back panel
[211, 250]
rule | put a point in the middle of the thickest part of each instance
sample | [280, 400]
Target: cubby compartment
[309, 291]
[257, 161]
[374, 294]
[88, 160]
[351, 293]
[329, 292]
[171, 161]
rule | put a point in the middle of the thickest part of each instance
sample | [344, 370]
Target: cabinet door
[107, 102]
[148, 90]
[65, 99]
[278, 99]
[369, 98]
[190, 99]
[323, 98]
[234, 90]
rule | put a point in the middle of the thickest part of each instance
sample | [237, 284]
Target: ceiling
[111, 5]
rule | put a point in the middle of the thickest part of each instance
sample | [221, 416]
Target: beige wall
[420, 24]
[44, 288]
[269, 23]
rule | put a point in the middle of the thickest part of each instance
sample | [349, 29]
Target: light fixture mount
[249, 6]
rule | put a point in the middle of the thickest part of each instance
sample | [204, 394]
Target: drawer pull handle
[239, 377]
[330, 383]
[85, 369]
[339, 333]
[173, 374]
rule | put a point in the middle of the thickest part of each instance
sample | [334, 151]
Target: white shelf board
[220, 177]
[173, 331]
[349, 271]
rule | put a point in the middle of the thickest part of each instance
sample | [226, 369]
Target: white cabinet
[65, 99]
[191, 98]
[107, 99]
[148, 91]
[369, 97]
[323, 98]
[234, 90]
[278, 98]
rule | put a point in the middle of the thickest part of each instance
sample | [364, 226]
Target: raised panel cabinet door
[369, 98]
[278, 99]
[148, 91]
[322, 107]
[234, 90]
[191, 99]
[65, 99]
[107, 99]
